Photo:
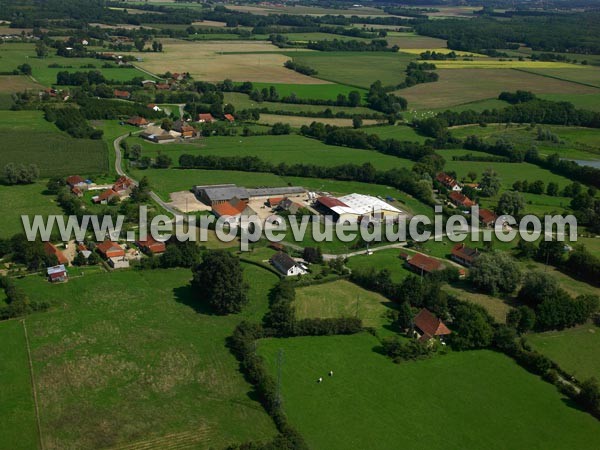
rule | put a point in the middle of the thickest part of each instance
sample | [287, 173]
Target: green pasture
[310, 91]
[475, 399]
[133, 357]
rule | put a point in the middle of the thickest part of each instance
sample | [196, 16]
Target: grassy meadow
[342, 299]
[574, 349]
[29, 139]
[132, 357]
[476, 399]
[18, 425]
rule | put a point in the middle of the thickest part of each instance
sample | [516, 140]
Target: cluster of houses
[119, 190]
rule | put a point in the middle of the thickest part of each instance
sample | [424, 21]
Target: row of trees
[300, 68]
[20, 174]
[72, 121]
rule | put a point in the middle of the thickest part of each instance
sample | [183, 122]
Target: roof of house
[74, 179]
[163, 86]
[229, 117]
[229, 208]
[283, 261]
[425, 263]
[430, 324]
[153, 245]
[137, 120]
[56, 270]
[182, 126]
[276, 191]
[487, 216]
[106, 195]
[118, 93]
[122, 184]
[273, 201]
[206, 117]
[466, 253]
[109, 246]
[461, 199]
[446, 179]
[51, 249]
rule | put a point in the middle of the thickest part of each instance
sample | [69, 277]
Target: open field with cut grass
[289, 149]
[243, 101]
[27, 138]
[321, 91]
[16, 83]
[463, 85]
[588, 75]
[18, 425]
[15, 54]
[411, 41]
[210, 61]
[382, 259]
[476, 399]
[298, 121]
[342, 299]
[25, 199]
[131, 357]
[575, 349]
[582, 101]
[357, 68]
[492, 63]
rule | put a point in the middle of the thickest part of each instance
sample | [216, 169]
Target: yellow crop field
[210, 61]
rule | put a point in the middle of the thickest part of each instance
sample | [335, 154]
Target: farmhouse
[137, 121]
[285, 264]
[487, 217]
[151, 246]
[206, 118]
[105, 197]
[158, 135]
[448, 182]
[428, 326]
[232, 211]
[424, 264]
[75, 181]
[464, 255]
[186, 130]
[51, 250]
[123, 186]
[57, 274]
[110, 249]
[460, 200]
[121, 94]
[148, 83]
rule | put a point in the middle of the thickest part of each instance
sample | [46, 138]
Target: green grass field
[587, 75]
[461, 400]
[27, 138]
[584, 101]
[289, 149]
[574, 349]
[399, 132]
[342, 299]
[18, 426]
[25, 199]
[310, 91]
[15, 54]
[381, 259]
[129, 357]
[357, 68]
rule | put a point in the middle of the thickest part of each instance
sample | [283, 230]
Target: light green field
[289, 149]
[24, 199]
[310, 91]
[399, 132]
[461, 400]
[583, 101]
[27, 138]
[576, 350]
[588, 75]
[342, 299]
[15, 54]
[131, 357]
[18, 426]
[243, 101]
[357, 68]
[382, 259]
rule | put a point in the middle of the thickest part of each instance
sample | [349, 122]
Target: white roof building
[366, 205]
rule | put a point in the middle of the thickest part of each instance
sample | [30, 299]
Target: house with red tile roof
[76, 181]
[274, 201]
[206, 118]
[121, 94]
[428, 326]
[152, 246]
[448, 182]
[232, 210]
[163, 87]
[52, 250]
[464, 255]
[110, 249]
[123, 186]
[487, 218]
[229, 118]
[460, 200]
[105, 197]
[137, 121]
[424, 264]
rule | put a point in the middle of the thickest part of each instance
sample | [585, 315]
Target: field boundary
[556, 78]
[33, 389]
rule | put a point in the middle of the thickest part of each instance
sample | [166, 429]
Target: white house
[285, 264]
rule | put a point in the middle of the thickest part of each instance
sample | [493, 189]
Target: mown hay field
[132, 357]
[210, 61]
[298, 121]
[579, 74]
[474, 399]
[459, 86]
